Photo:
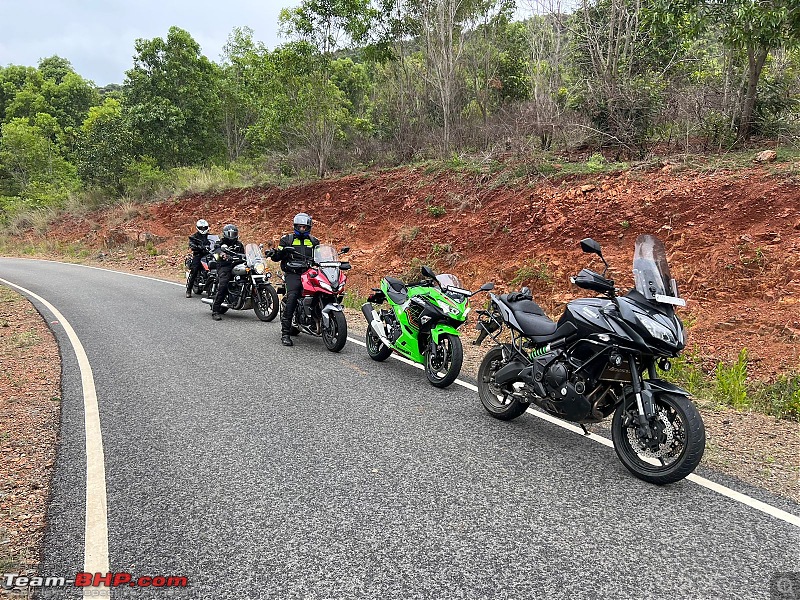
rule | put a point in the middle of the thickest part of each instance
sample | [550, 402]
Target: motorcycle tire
[376, 349]
[681, 435]
[498, 402]
[441, 376]
[267, 309]
[335, 334]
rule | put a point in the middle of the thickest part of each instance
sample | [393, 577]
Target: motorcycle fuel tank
[588, 315]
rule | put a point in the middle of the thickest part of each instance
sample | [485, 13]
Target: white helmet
[202, 226]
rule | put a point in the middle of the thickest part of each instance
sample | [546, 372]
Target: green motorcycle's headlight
[448, 309]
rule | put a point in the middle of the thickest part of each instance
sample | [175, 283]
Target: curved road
[258, 471]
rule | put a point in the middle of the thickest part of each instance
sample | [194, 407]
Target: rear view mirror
[344, 250]
[486, 287]
[427, 272]
[589, 246]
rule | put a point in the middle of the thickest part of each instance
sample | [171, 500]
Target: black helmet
[230, 233]
[302, 220]
[202, 226]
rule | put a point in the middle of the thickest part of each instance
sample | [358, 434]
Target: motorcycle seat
[526, 306]
[397, 292]
[531, 317]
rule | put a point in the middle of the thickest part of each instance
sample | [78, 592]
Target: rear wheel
[335, 333]
[376, 349]
[500, 402]
[678, 445]
[443, 360]
[265, 303]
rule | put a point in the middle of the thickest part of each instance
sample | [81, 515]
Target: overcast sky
[97, 36]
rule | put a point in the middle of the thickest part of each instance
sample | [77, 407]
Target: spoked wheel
[335, 333]
[265, 303]
[443, 360]
[680, 439]
[376, 349]
[500, 402]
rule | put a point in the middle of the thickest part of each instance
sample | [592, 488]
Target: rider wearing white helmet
[198, 244]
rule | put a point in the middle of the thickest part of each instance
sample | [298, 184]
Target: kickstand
[585, 431]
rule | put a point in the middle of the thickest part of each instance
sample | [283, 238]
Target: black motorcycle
[207, 268]
[249, 287]
[593, 363]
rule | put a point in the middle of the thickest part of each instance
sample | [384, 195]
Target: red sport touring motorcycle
[319, 309]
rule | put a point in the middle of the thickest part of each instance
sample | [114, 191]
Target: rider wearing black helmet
[198, 244]
[297, 246]
[230, 243]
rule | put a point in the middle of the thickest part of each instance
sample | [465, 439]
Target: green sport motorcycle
[422, 324]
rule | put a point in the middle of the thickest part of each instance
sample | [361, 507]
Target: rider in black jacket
[230, 241]
[198, 244]
[294, 246]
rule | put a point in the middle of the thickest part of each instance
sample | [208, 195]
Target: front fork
[644, 400]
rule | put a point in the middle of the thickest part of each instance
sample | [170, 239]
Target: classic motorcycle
[207, 268]
[593, 363]
[250, 286]
[421, 324]
[319, 309]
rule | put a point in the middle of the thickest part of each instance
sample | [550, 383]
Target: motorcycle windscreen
[650, 269]
[325, 254]
[446, 280]
[253, 254]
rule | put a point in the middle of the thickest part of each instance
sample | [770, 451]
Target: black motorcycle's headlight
[656, 329]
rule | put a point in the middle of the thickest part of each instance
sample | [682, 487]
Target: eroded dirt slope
[733, 238]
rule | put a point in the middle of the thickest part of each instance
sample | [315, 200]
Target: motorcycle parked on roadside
[421, 323]
[319, 309]
[593, 362]
[207, 268]
[250, 286]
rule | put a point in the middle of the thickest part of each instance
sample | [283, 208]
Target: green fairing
[410, 344]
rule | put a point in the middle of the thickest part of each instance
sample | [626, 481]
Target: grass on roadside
[728, 385]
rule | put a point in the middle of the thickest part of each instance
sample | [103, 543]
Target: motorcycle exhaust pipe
[375, 323]
[211, 302]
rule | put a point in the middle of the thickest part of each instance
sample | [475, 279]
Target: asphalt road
[258, 471]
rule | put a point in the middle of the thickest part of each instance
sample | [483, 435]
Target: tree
[32, 166]
[321, 27]
[240, 89]
[438, 23]
[754, 28]
[172, 101]
[104, 148]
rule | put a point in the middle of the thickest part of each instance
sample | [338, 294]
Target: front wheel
[676, 450]
[376, 349]
[335, 333]
[500, 402]
[265, 303]
[443, 360]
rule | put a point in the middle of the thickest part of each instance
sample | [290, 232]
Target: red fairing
[312, 278]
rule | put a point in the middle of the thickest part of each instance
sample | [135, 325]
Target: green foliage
[32, 167]
[172, 101]
[533, 270]
[436, 211]
[143, 178]
[104, 149]
[731, 382]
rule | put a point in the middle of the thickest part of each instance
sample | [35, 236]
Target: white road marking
[702, 481]
[96, 528]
